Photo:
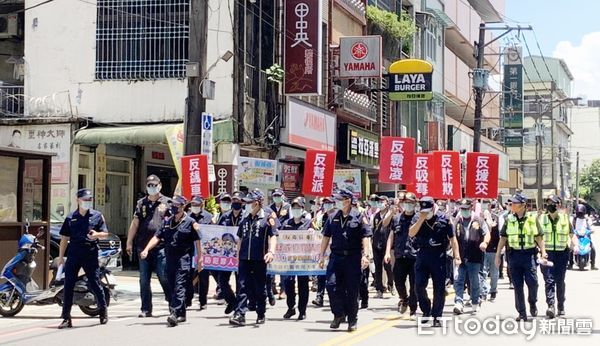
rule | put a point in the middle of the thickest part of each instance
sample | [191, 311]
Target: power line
[534, 64]
[31, 7]
[537, 42]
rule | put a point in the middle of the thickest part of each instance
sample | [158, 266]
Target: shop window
[9, 172]
[33, 178]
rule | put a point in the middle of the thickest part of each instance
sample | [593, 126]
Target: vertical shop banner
[482, 175]
[318, 173]
[397, 165]
[100, 185]
[447, 184]
[219, 247]
[291, 177]
[424, 176]
[194, 179]
[348, 179]
[303, 46]
[298, 253]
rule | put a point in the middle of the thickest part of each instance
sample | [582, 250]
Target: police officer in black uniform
[258, 238]
[328, 207]
[230, 218]
[282, 209]
[380, 238]
[149, 217]
[202, 217]
[180, 236]
[404, 251]
[432, 233]
[80, 231]
[349, 233]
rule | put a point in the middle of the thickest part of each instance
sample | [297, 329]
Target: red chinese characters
[447, 182]
[318, 173]
[482, 175]
[194, 179]
[397, 165]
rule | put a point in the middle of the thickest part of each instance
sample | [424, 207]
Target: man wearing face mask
[349, 233]
[522, 233]
[147, 220]
[296, 222]
[558, 237]
[380, 238]
[80, 231]
[328, 207]
[489, 265]
[372, 207]
[181, 239]
[258, 238]
[432, 234]
[282, 210]
[404, 265]
[363, 291]
[230, 218]
[202, 217]
[473, 236]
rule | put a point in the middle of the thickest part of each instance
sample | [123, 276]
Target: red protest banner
[446, 164]
[424, 177]
[398, 159]
[194, 176]
[482, 175]
[318, 173]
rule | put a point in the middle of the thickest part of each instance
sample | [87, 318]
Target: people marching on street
[489, 289]
[202, 217]
[379, 240]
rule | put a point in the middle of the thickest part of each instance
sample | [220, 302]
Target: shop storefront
[358, 151]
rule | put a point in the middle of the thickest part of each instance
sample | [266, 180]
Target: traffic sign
[207, 136]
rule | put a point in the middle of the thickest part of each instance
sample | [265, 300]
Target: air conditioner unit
[9, 25]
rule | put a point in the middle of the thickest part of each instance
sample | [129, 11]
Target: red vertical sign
[303, 36]
[318, 173]
[446, 164]
[424, 175]
[397, 160]
[482, 175]
[194, 176]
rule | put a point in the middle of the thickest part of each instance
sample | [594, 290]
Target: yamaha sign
[360, 56]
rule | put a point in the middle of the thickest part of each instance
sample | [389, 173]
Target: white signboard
[360, 56]
[258, 173]
[207, 136]
[308, 126]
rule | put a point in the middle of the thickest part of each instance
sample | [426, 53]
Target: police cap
[85, 194]
[426, 204]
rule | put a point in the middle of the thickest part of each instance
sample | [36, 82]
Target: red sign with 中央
[447, 185]
[482, 175]
[194, 176]
[397, 165]
[318, 173]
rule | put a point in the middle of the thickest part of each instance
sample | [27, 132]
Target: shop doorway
[118, 208]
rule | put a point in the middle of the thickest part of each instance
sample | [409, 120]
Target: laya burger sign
[410, 80]
[360, 56]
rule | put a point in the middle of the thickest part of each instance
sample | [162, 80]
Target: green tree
[589, 183]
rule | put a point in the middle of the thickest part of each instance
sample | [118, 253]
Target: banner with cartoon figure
[219, 247]
[297, 253]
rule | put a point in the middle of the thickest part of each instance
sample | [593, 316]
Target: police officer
[558, 235]
[380, 238]
[473, 236]
[180, 236]
[296, 222]
[282, 210]
[149, 217]
[202, 217]
[258, 238]
[327, 208]
[432, 233]
[363, 288]
[404, 265]
[349, 233]
[80, 231]
[230, 218]
[521, 232]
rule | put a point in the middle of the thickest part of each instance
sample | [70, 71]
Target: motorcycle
[583, 250]
[20, 289]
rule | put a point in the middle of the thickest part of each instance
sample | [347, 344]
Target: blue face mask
[465, 213]
[277, 200]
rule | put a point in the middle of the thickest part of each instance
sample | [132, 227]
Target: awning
[128, 135]
[144, 134]
[442, 18]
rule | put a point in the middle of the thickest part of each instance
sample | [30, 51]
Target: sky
[566, 30]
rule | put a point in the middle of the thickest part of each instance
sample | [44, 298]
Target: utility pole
[479, 90]
[577, 182]
[196, 104]
[562, 179]
[539, 136]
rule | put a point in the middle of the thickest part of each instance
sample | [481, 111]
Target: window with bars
[141, 39]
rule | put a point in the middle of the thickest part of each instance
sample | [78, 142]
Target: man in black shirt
[489, 265]
[380, 237]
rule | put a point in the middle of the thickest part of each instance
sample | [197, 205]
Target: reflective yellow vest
[556, 240]
[521, 239]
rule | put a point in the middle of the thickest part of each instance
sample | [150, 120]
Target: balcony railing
[12, 101]
[359, 104]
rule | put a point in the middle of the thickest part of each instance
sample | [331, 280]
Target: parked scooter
[20, 289]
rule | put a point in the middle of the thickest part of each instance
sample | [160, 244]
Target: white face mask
[153, 190]
[277, 200]
[314, 208]
[465, 213]
[225, 207]
[327, 206]
[430, 215]
[296, 213]
[196, 210]
[249, 207]
[408, 207]
[86, 205]
[339, 205]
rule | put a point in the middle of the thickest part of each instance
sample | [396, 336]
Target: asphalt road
[380, 324]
